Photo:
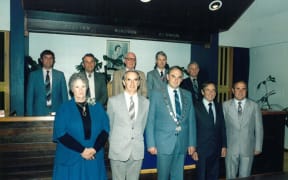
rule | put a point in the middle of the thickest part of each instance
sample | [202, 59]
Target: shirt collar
[170, 89]
[206, 103]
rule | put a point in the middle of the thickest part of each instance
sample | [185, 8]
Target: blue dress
[68, 163]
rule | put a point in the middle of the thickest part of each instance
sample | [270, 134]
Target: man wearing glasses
[130, 63]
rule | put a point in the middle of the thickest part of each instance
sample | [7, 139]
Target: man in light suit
[193, 83]
[128, 115]
[97, 83]
[244, 132]
[41, 100]
[211, 134]
[171, 128]
[156, 79]
[130, 63]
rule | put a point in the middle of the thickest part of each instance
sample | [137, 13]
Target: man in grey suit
[156, 79]
[171, 126]
[128, 115]
[244, 132]
[130, 63]
[97, 83]
[46, 89]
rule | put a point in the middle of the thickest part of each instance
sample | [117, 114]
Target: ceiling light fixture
[215, 5]
[145, 1]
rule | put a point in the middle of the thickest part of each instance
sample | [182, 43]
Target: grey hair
[134, 71]
[193, 62]
[75, 77]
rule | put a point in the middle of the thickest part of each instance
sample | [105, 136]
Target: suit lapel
[234, 113]
[246, 111]
[123, 108]
[54, 81]
[167, 101]
[184, 104]
[140, 105]
[156, 74]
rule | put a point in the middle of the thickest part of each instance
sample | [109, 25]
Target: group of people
[175, 116]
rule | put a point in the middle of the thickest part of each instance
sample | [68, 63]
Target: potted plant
[264, 100]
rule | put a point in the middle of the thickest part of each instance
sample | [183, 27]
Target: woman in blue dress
[81, 130]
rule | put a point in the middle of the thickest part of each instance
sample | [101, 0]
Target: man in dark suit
[97, 83]
[156, 79]
[46, 89]
[128, 115]
[193, 83]
[211, 134]
[171, 128]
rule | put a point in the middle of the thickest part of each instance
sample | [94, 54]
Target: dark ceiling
[175, 20]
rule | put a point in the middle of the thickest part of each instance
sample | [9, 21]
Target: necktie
[162, 75]
[210, 111]
[132, 109]
[240, 108]
[195, 88]
[48, 88]
[177, 105]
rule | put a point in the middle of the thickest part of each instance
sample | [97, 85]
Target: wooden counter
[27, 150]
[272, 157]
[26, 147]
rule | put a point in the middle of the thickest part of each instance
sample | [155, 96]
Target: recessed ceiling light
[145, 1]
[215, 5]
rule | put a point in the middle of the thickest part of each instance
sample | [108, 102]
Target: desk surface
[26, 118]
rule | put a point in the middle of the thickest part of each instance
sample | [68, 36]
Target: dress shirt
[243, 101]
[192, 78]
[135, 99]
[172, 97]
[159, 71]
[91, 84]
[206, 104]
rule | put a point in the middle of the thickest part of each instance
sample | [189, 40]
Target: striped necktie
[132, 109]
[177, 105]
[240, 108]
[48, 89]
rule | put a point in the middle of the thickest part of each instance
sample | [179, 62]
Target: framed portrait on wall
[115, 53]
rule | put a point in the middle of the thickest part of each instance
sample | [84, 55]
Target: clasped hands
[88, 153]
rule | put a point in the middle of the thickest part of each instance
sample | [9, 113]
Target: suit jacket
[36, 94]
[187, 84]
[154, 81]
[101, 94]
[68, 120]
[245, 134]
[117, 86]
[210, 137]
[161, 127]
[126, 135]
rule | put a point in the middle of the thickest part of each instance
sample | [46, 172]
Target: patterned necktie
[195, 88]
[48, 88]
[132, 109]
[239, 108]
[210, 111]
[177, 105]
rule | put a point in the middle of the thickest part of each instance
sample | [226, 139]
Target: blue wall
[207, 58]
[17, 57]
